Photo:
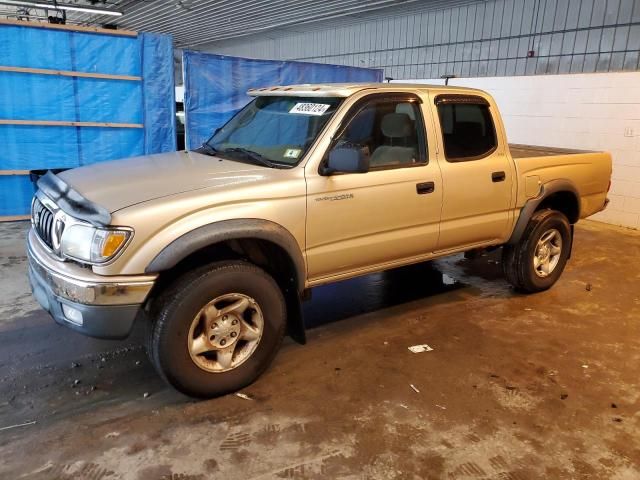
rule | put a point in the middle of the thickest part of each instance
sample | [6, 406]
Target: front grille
[42, 219]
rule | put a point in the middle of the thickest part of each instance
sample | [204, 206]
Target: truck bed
[587, 172]
[526, 151]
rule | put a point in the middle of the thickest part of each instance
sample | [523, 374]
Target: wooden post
[69, 73]
[64, 123]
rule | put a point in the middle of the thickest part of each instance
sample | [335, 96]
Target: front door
[360, 220]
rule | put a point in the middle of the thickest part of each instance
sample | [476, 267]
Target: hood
[122, 183]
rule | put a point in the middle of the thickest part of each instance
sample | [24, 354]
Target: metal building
[478, 38]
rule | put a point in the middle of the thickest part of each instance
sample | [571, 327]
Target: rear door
[477, 173]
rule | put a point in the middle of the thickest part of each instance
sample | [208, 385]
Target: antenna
[447, 77]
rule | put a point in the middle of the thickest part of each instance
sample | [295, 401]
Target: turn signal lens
[106, 243]
[112, 243]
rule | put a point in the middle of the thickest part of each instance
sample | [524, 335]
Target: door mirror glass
[346, 160]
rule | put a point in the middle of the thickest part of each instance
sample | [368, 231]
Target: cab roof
[348, 89]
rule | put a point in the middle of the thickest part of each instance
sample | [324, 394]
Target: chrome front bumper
[104, 307]
[78, 284]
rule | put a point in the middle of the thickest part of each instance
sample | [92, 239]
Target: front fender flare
[213, 233]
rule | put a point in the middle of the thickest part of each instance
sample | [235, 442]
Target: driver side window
[389, 133]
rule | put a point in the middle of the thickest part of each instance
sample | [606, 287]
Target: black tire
[180, 303]
[518, 259]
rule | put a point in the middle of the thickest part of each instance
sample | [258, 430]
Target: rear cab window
[468, 130]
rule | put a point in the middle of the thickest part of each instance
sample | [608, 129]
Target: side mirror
[346, 160]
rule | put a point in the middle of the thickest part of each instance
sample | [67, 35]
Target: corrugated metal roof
[194, 23]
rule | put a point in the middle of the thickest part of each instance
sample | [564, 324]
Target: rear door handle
[425, 187]
[498, 176]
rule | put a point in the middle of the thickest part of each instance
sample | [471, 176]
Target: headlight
[92, 245]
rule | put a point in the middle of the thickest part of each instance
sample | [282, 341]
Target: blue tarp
[14, 190]
[29, 96]
[158, 88]
[215, 86]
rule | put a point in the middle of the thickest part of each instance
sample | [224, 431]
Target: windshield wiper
[206, 149]
[255, 157]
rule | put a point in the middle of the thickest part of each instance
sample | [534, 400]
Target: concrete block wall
[597, 111]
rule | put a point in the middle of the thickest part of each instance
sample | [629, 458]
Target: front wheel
[218, 328]
[536, 262]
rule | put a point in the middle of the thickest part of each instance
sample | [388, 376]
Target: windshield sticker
[292, 153]
[310, 108]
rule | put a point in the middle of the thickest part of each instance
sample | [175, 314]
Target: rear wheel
[536, 262]
[218, 328]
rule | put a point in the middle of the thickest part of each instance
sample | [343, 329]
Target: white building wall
[585, 111]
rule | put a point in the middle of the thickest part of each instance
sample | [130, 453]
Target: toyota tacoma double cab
[216, 248]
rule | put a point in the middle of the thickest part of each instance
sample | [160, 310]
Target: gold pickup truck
[216, 248]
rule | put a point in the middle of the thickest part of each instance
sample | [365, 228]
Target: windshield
[278, 130]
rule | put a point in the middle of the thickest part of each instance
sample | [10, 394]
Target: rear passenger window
[467, 129]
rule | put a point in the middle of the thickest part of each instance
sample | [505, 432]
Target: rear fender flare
[548, 189]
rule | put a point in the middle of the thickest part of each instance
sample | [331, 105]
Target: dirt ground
[516, 387]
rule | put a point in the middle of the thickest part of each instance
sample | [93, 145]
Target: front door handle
[498, 176]
[425, 187]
